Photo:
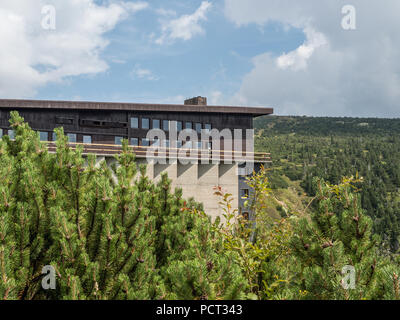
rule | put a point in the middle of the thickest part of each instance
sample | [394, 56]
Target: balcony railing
[156, 152]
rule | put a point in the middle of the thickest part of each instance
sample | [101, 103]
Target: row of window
[144, 124]
[72, 137]
[166, 125]
[44, 136]
[10, 133]
[165, 143]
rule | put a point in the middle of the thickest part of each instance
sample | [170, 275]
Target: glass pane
[156, 124]
[188, 125]
[134, 142]
[118, 140]
[1, 133]
[134, 123]
[145, 123]
[198, 127]
[166, 125]
[44, 136]
[145, 142]
[11, 134]
[166, 143]
[87, 139]
[207, 126]
[179, 126]
[71, 137]
[179, 144]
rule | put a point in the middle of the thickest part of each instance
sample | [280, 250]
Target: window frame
[159, 123]
[119, 138]
[87, 136]
[137, 142]
[69, 135]
[137, 123]
[148, 123]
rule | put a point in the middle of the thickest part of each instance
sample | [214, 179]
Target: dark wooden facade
[104, 122]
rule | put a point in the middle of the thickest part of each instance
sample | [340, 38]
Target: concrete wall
[197, 181]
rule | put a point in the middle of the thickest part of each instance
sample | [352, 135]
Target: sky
[301, 57]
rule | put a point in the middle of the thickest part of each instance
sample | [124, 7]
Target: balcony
[153, 152]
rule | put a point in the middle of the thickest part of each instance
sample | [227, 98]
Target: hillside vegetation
[305, 147]
[128, 238]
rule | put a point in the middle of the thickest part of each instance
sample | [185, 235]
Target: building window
[145, 123]
[179, 126]
[198, 127]
[134, 123]
[1, 133]
[209, 145]
[188, 125]
[156, 124]
[166, 144]
[11, 134]
[44, 136]
[71, 137]
[244, 193]
[145, 142]
[199, 145]
[135, 142]
[207, 126]
[166, 125]
[118, 140]
[87, 139]
[179, 144]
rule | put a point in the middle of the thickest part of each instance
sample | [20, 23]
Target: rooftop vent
[196, 101]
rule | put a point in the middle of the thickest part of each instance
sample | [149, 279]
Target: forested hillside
[330, 148]
[129, 238]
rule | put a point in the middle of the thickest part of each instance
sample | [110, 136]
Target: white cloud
[184, 27]
[334, 72]
[166, 12]
[145, 74]
[32, 57]
[134, 7]
[297, 59]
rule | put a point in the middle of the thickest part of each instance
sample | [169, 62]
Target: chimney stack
[196, 101]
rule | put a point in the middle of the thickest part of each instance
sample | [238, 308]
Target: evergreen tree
[109, 232]
[338, 235]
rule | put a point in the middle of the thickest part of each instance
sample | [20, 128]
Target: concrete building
[188, 132]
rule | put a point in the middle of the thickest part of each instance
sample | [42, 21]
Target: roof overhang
[110, 106]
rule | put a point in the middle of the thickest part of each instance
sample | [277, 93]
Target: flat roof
[86, 105]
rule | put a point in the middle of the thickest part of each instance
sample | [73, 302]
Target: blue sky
[215, 61]
[301, 57]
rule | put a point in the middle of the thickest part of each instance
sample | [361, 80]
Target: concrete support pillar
[195, 179]
[207, 179]
[229, 180]
[170, 169]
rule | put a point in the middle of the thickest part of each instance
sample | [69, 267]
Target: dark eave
[84, 105]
